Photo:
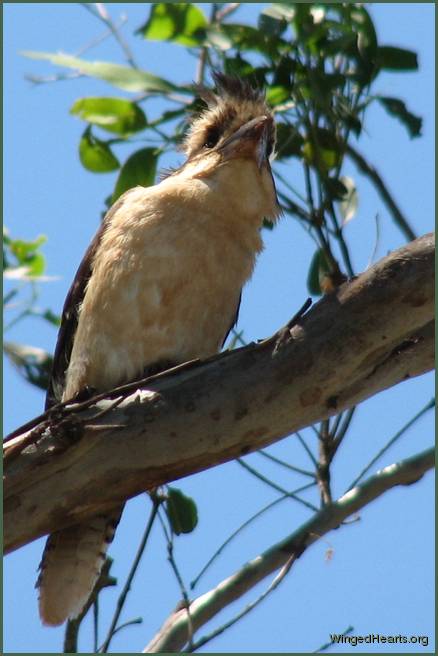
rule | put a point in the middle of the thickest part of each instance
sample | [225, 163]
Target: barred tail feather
[70, 566]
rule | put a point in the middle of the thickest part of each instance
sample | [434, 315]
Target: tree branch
[174, 633]
[369, 170]
[371, 333]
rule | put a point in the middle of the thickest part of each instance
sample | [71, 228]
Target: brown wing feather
[234, 321]
[69, 320]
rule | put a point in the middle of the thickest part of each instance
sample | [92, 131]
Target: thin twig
[306, 448]
[336, 423]
[126, 588]
[71, 406]
[172, 637]
[283, 335]
[277, 487]
[136, 620]
[243, 526]
[409, 424]
[72, 627]
[329, 645]
[227, 10]
[57, 77]
[341, 430]
[289, 186]
[182, 587]
[309, 189]
[99, 39]
[273, 586]
[278, 461]
[339, 236]
[324, 462]
[101, 13]
[293, 208]
[369, 171]
[236, 337]
[96, 625]
[376, 242]
[203, 55]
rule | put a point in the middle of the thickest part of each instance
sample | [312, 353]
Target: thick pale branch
[373, 332]
[173, 635]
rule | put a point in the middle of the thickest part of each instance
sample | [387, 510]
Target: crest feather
[231, 105]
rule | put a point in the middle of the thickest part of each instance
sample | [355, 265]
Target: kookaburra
[159, 285]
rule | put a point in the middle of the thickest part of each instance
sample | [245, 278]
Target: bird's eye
[212, 137]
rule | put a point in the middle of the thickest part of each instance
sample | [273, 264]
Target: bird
[159, 285]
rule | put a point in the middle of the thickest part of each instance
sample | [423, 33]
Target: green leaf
[10, 295]
[302, 20]
[278, 94]
[122, 77]
[339, 45]
[348, 204]
[6, 262]
[180, 22]
[326, 153]
[289, 141]
[367, 37]
[284, 71]
[344, 112]
[271, 25]
[397, 59]
[112, 114]
[237, 66]
[322, 86]
[343, 190]
[25, 251]
[366, 44]
[96, 155]
[139, 169]
[215, 38]
[181, 511]
[335, 189]
[36, 265]
[51, 317]
[245, 37]
[397, 108]
[33, 363]
[168, 116]
[280, 11]
[318, 268]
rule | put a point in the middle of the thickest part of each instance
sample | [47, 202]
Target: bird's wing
[69, 320]
[234, 321]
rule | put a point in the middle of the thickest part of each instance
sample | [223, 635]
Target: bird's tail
[70, 566]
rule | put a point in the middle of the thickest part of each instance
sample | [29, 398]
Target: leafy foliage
[33, 364]
[397, 108]
[181, 511]
[96, 155]
[23, 259]
[23, 266]
[112, 114]
[177, 22]
[119, 76]
[320, 66]
[139, 169]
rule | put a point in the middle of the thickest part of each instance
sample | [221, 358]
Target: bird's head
[232, 141]
[234, 104]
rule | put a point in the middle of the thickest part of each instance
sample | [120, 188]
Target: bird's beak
[253, 139]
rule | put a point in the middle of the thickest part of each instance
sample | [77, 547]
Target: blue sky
[380, 576]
